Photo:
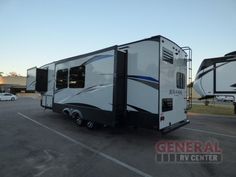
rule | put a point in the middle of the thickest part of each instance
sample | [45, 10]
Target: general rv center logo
[188, 151]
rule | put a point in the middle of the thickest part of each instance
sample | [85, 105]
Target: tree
[1, 74]
[190, 85]
[13, 74]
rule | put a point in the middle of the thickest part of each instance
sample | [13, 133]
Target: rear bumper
[175, 126]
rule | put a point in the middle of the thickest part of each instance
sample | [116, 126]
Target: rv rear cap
[231, 53]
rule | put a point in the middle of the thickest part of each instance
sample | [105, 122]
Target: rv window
[180, 80]
[167, 104]
[77, 77]
[62, 79]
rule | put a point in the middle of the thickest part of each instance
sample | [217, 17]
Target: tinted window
[77, 77]
[62, 78]
[180, 80]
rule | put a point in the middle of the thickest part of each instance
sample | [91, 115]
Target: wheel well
[66, 112]
[77, 112]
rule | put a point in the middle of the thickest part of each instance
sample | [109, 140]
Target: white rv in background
[217, 77]
[142, 83]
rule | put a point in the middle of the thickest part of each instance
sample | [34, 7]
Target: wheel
[80, 122]
[13, 99]
[75, 115]
[91, 124]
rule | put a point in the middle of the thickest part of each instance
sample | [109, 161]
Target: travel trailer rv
[216, 77]
[142, 83]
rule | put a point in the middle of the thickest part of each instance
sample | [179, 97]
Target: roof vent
[167, 55]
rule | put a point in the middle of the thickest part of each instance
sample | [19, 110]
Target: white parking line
[131, 168]
[209, 132]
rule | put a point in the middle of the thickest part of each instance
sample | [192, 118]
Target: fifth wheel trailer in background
[217, 77]
[142, 83]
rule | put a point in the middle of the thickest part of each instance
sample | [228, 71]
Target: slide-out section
[37, 80]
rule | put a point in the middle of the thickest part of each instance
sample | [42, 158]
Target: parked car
[225, 98]
[7, 97]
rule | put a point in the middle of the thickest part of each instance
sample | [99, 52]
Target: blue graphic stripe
[92, 88]
[147, 78]
[149, 81]
[98, 57]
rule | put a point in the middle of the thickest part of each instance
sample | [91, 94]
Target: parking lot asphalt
[37, 142]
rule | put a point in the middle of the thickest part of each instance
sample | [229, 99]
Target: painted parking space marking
[209, 132]
[106, 156]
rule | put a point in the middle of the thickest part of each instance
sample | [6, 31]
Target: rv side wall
[142, 83]
[225, 80]
[217, 79]
[86, 85]
[143, 75]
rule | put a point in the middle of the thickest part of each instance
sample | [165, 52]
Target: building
[12, 84]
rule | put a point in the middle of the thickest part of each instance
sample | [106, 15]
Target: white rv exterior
[142, 83]
[216, 77]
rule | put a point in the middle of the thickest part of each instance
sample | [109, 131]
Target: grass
[213, 109]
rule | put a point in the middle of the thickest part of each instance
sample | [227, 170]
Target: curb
[210, 115]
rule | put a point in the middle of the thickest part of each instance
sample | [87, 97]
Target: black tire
[79, 121]
[13, 99]
[75, 115]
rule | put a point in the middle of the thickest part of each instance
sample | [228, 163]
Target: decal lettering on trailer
[175, 92]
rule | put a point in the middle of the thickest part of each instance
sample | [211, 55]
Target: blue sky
[36, 32]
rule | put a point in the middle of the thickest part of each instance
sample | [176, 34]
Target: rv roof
[156, 38]
[211, 61]
[231, 53]
[153, 38]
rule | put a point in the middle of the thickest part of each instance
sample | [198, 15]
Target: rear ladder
[189, 94]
